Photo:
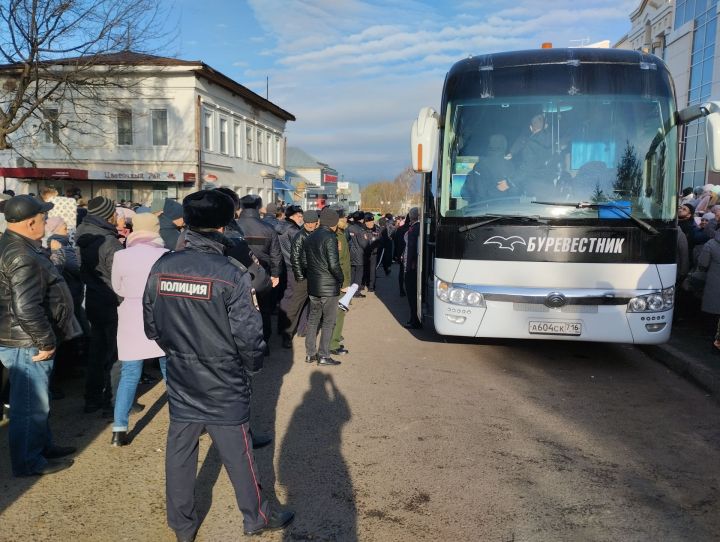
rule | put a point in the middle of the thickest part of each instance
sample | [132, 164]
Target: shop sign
[154, 176]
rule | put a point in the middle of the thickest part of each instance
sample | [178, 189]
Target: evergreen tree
[629, 179]
[598, 195]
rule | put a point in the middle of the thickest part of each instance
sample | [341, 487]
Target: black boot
[119, 438]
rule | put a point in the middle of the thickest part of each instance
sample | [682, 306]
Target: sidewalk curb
[685, 366]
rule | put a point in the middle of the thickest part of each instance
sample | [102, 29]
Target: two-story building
[178, 126]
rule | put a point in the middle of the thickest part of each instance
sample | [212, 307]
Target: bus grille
[572, 309]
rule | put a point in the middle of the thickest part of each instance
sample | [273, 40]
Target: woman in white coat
[130, 271]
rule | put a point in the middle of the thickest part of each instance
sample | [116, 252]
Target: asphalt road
[413, 438]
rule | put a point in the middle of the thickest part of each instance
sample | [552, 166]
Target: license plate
[546, 327]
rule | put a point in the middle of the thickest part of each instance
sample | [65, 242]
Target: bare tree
[392, 196]
[67, 59]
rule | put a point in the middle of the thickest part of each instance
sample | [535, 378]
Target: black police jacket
[287, 230]
[98, 243]
[200, 309]
[263, 240]
[298, 262]
[36, 307]
[324, 273]
[359, 240]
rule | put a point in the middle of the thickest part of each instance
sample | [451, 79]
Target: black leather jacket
[324, 274]
[199, 307]
[36, 307]
[298, 262]
[263, 240]
[287, 230]
[98, 243]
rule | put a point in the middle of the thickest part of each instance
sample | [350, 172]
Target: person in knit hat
[97, 239]
[130, 271]
[324, 280]
[171, 220]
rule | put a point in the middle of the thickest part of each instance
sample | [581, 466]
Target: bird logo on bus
[506, 243]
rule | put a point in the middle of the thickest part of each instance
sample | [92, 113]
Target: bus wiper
[587, 205]
[494, 218]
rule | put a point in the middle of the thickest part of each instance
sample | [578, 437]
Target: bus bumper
[604, 323]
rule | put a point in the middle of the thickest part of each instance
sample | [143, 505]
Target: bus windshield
[501, 156]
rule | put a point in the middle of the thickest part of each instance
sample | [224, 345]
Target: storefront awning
[282, 185]
[35, 173]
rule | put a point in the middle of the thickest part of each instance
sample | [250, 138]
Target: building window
[159, 191]
[207, 130]
[237, 139]
[124, 127]
[260, 147]
[278, 151]
[701, 76]
[249, 143]
[158, 121]
[270, 149]
[223, 135]
[51, 126]
[124, 192]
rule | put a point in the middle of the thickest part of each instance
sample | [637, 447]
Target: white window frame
[269, 148]
[250, 142]
[152, 127]
[51, 126]
[260, 145]
[278, 150]
[223, 135]
[208, 136]
[119, 114]
[238, 138]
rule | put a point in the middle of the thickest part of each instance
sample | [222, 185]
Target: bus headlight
[457, 295]
[655, 302]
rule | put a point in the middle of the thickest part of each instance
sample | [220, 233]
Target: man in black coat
[208, 372]
[97, 238]
[171, 220]
[411, 266]
[36, 315]
[294, 304]
[287, 230]
[324, 278]
[372, 251]
[264, 242]
[399, 250]
[358, 240]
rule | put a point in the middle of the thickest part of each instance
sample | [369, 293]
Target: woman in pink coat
[130, 271]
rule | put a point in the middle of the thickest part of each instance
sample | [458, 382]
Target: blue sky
[356, 72]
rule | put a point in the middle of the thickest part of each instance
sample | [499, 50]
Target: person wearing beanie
[208, 373]
[97, 239]
[130, 271]
[271, 212]
[171, 220]
[265, 244]
[325, 282]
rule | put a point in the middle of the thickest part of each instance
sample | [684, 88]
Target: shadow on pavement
[312, 468]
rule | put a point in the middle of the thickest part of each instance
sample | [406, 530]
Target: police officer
[264, 242]
[371, 251]
[200, 308]
[359, 241]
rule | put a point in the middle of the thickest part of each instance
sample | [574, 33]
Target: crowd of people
[103, 284]
[699, 252]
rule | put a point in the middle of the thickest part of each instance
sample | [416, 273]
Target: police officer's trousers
[234, 445]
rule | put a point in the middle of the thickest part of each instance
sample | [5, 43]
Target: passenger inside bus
[491, 175]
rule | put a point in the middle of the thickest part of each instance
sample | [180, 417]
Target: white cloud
[355, 72]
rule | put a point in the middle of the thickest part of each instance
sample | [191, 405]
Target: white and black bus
[552, 213]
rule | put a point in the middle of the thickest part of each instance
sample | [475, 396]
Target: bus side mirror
[424, 140]
[712, 134]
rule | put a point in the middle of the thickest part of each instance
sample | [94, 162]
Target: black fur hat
[208, 209]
